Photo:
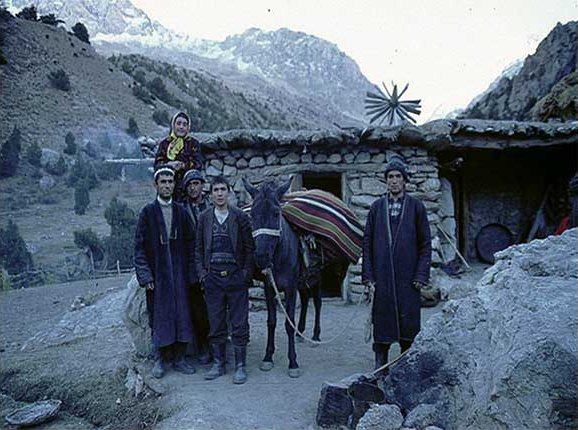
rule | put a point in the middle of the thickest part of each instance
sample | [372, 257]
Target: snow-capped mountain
[294, 64]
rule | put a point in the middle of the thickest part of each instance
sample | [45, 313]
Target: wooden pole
[454, 246]
[118, 267]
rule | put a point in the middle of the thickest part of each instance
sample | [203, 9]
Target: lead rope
[269, 275]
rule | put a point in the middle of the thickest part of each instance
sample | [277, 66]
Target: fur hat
[192, 175]
[396, 163]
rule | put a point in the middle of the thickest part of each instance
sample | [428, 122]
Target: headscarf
[177, 143]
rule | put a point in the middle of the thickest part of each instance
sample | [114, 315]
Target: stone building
[468, 173]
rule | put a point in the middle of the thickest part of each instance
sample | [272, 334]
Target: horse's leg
[290, 299]
[316, 293]
[267, 363]
[304, 298]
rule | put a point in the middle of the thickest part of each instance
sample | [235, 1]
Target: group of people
[194, 258]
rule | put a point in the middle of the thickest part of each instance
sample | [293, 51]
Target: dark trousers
[222, 293]
[200, 318]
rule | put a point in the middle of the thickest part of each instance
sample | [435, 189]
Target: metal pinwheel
[389, 108]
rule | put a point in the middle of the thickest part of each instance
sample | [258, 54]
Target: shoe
[183, 366]
[218, 367]
[159, 369]
[240, 376]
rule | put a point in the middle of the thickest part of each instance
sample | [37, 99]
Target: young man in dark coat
[164, 265]
[396, 262]
[195, 203]
[224, 259]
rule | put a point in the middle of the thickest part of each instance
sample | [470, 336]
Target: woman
[179, 151]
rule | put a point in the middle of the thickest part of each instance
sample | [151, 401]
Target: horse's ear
[250, 188]
[283, 188]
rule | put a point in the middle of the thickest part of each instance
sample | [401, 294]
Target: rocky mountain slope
[282, 64]
[513, 98]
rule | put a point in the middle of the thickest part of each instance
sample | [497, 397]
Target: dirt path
[272, 400]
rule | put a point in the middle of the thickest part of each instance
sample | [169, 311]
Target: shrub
[50, 19]
[81, 198]
[132, 129]
[10, 154]
[104, 141]
[161, 117]
[159, 90]
[87, 239]
[58, 169]
[120, 244]
[14, 255]
[34, 154]
[28, 13]
[143, 94]
[59, 80]
[80, 31]
[70, 148]
[108, 171]
[5, 14]
[139, 76]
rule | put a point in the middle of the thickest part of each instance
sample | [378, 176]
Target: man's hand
[427, 292]
[176, 164]
[369, 291]
[149, 287]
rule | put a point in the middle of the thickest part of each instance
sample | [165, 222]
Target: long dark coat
[394, 260]
[169, 263]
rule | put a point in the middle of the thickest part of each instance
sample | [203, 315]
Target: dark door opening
[333, 274]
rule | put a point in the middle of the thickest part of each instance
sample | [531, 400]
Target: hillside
[515, 97]
[99, 100]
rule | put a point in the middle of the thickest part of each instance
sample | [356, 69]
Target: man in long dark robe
[164, 265]
[396, 262]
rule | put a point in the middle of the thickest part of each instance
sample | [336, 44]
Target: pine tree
[82, 171]
[10, 154]
[133, 128]
[14, 255]
[120, 243]
[81, 198]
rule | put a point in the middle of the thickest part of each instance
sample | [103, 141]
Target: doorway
[333, 274]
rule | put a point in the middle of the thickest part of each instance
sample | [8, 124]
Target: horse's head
[266, 218]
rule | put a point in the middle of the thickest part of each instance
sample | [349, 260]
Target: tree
[14, 255]
[70, 148]
[120, 244]
[80, 31]
[81, 198]
[10, 154]
[28, 13]
[59, 168]
[59, 80]
[82, 171]
[87, 239]
[50, 19]
[132, 129]
[34, 154]
[161, 117]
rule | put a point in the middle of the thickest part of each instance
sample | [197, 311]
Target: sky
[448, 51]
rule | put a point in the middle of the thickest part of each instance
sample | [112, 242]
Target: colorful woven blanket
[325, 215]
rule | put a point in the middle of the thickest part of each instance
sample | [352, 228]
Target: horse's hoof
[294, 373]
[265, 366]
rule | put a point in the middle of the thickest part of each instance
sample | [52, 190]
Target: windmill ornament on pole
[390, 108]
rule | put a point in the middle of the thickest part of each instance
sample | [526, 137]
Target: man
[195, 203]
[396, 262]
[224, 259]
[179, 151]
[164, 265]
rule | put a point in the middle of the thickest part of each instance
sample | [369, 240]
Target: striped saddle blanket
[326, 216]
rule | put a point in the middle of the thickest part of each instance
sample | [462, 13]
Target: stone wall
[361, 170]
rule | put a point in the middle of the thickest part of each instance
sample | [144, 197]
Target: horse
[277, 248]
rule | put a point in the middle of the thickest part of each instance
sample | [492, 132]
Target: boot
[240, 376]
[218, 367]
[181, 364]
[381, 354]
[159, 368]
[204, 355]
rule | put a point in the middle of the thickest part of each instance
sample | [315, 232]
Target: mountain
[513, 97]
[282, 64]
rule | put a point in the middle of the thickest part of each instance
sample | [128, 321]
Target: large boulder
[136, 319]
[504, 357]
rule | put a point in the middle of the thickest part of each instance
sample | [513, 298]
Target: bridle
[276, 232]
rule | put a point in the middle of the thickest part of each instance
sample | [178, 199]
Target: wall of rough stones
[361, 170]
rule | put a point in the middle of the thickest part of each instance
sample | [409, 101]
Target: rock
[291, 158]
[217, 164]
[229, 170]
[49, 157]
[348, 158]
[373, 186]
[424, 415]
[363, 157]
[242, 163]
[213, 171]
[320, 158]
[335, 407]
[450, 288]
[272, 159]
[256, 162]
[134, 382]
[306, 158]
[34, 414]
[135, 318]
[506, 356]
[363, 201]
[383, 417]
[46, 182]
[431, 185]
[334, 158]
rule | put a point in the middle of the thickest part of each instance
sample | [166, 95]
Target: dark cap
[396, 163]
[191, 175]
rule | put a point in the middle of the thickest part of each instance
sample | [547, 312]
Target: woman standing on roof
[180, 151]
